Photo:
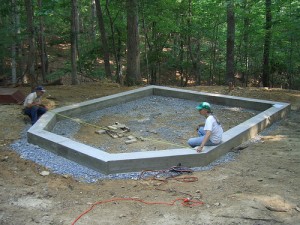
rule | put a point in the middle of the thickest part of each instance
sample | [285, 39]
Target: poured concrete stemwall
[41, 135]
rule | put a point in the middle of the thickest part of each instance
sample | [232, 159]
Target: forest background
[162, 42]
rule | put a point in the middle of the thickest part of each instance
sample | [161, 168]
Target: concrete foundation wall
[101, 161]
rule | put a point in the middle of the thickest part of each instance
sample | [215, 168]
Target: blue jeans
[197, 141]
[35, 112]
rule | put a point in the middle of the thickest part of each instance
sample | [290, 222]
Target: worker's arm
[206, 138]
[36, 102]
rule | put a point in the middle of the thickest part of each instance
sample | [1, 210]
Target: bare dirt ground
[261, 186]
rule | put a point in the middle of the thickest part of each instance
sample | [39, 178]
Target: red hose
[184, 202]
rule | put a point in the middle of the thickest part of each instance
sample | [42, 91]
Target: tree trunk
[74, 33]
[42, 42]
[193, 55]
[14, 44]
[31, 41]
[103, 38]
[13, 64]
[133, 75]
[116, 48]
[93, 19]
[181, 60]
[152, 45]
[267, 44]
[292, 47]
[146, 46]
[246, 43]
[230, 43]
[214, 47]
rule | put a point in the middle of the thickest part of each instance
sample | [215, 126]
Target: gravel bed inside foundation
[157, 123]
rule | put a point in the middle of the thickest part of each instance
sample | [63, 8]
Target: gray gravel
[149, 107]
[170, 119]
[59, 165]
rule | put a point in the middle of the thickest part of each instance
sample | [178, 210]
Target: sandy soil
[260, 187]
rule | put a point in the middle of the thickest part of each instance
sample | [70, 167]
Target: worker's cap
[204, 105]
[40, 88]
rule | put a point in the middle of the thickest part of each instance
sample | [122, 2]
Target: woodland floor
[260, 187]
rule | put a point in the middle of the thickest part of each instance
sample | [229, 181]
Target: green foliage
[59, 73]
[174, 35]
[97, 73]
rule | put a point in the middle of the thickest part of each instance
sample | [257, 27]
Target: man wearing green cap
[211, 133]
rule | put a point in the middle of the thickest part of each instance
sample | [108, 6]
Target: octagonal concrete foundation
[40, 133]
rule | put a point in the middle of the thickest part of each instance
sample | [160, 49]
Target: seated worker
[211, 133]
[33, 104]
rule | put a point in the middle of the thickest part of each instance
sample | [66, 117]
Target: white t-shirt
[32, 97]
[216, 129]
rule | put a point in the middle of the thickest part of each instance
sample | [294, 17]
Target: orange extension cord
[184, 201]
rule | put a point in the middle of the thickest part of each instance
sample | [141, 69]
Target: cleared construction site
[109, 163]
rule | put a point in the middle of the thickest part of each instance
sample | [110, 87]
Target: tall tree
[193, 42]
[267, 45]
[14, 20]
[92, 25]
[245, 38]
[103, 38]
[42, 43]
[74, 41]
[193, 54]
[133, 75]
[230, 43]
[116, 45]
[291, 47]
[31, 42]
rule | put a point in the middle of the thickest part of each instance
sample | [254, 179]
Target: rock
[152, 131]
[120, 135]
[119, 125]
[113, 127]
[77, 120]
[277, 208]
[100, 131]
[131, 141]
[241, 147]
[113, 134]
[5, 159]
[45, 173]
[142, 139]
